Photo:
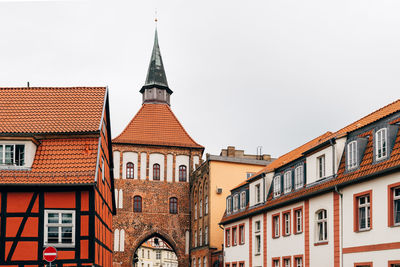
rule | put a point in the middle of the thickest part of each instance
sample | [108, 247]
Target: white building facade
[333, 202]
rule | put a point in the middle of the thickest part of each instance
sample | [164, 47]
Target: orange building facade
[55, 175]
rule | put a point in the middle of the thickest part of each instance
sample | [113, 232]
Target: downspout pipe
[341, 224]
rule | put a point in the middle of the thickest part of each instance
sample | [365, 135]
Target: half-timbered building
[55, 175]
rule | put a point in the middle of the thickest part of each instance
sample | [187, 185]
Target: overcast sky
[270, 73]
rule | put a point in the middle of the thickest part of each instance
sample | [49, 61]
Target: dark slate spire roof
[156, 74]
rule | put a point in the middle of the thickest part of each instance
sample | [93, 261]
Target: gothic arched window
[173, 205]
[182, 173]
[137, 204]
[156, 171]
[130, 170]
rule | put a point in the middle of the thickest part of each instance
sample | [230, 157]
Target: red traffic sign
[50, 254]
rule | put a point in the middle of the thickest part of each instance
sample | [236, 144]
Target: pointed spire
[156, 74]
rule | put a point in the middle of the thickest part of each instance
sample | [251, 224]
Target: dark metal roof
[156, 74]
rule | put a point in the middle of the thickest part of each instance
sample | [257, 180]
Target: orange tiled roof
[156, 124]
[58, 161]
[51, 110]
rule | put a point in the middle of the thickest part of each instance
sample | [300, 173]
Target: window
[194, 262]
[249, 174]
[286, 262]
[277, 186]
[363, 264]
[275, 225]
[275, 262]
[102, 169]
[298, 177]
[241, 234]
[195, 211]
[288, 181]
[120, 199]
[352, 155]
[206, 205]
[200, 237]
[204, 261]
[298, 261]
[201, 208]
[182, 173]
[206, 235]
[173, 205]
[241, 264]
[199, 260]
[258, 194]
[59, 228]
[235, 202]
[156, 171]
[394, 263]
[130, 167]
[116, 240]
[322, 226]
[158, 255]
[394, 204]
[234, 236]
[286, 223]
[298, 220]
[257, 226]
[12, 154]
[321, 166]
[228, 205]
[258, 244]
[362, 212]
[381, 144]
[243, 200]
[137, 204]
[195, 239]
[227, 237]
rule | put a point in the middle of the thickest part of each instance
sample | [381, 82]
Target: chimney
[231, 151]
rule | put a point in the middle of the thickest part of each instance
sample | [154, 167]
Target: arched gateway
[153, 157]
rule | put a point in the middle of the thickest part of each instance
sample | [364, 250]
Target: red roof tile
[51, 110]
[156, 124]
[58, 161]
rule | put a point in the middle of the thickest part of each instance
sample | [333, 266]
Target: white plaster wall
[129, 157]
[181, 160]
[196, 161]
[258, 258]
[378, 258]
[238, 252]
[116, 157]
[170, 159]
[312, 170]
[292, 244]
[252, 191]
[156, 158]
[143, 160]
[380, 232]
[30, 151]
[321, 255]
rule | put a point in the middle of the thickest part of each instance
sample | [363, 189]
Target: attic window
[352, 155]
[381, 144]
[12, 154]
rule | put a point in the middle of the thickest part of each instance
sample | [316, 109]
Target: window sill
[363, 230]
[59, 245]
[257, 254]
[298, 233]
[276, 237]
[322, 243]
[285, 235]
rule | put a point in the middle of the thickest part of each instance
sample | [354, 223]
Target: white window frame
[195, 211]
[201, 208]
[287, 182]
[276, 225]
[228, 205]
[60, 225]
[299, 262]
[200, 237]
[206, 235]
[381, 145]
[366, 207]
[286, 262]
[276, 263]
[277, 186]
[205, 205]
[322, 222]
[299, 220]
[235, 202]
[195, 239]
[204, 261]
[257, 189]
[352, 157]
[298, 177]
[257, 244]
[321, 168]
[243, 200]
[286, 219]
[102, 169]
[3, 159]
[395, 198]
[257, 226]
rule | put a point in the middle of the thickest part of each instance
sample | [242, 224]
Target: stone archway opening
[155, 251]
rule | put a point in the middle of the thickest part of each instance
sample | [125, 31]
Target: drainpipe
[341, 224]
[223, 247]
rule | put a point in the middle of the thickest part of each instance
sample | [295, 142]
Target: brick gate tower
[153, 157]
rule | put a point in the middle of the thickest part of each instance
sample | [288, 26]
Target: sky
[253, 73]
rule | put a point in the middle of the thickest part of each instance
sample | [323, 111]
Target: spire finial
[155, 17]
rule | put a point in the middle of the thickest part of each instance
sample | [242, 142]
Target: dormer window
[381, 144]
[288, 181]
[298, 177]
[243, 200]
[258, 194]
[235, 202]
[277, 186]
[11, 154]
[352, 155]
[321, 166]
[228, 205]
